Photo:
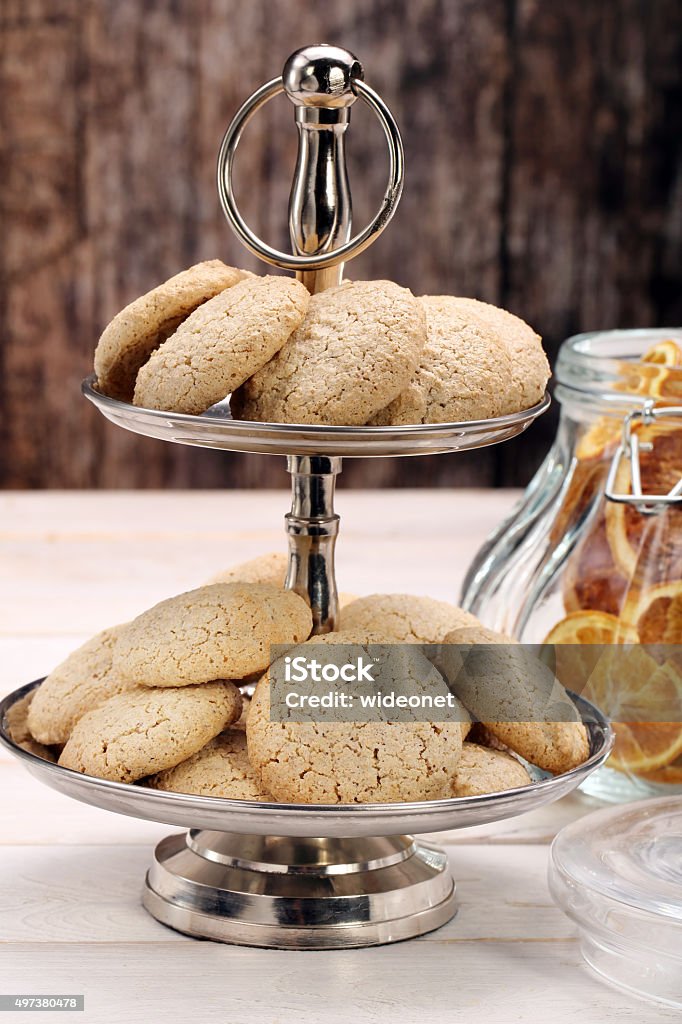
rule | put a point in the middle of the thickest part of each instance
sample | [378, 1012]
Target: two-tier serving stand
[302, 876]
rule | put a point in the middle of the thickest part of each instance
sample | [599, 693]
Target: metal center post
[312, 527]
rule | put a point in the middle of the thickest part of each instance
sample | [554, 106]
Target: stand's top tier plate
[216, 429]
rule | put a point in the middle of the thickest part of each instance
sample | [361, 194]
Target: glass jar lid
[618, 874]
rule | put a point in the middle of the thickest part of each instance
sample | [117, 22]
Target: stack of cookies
[159, 701]
[366, 352]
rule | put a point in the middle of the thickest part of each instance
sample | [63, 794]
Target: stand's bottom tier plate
[303, 876]
[312, 820]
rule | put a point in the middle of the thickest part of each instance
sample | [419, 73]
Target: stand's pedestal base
[299, 893]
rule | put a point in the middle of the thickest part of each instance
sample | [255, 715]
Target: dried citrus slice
[590, 580]
[670, 775]
[630, 533]
[654, 374]
[585, 627]
[599, 438]
[657, 614]
[664, 353]
[574, 659]
[645, 746]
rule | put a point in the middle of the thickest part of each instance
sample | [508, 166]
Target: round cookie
[19, 732]
[270, 568]
[405, 617]
[79, 684]
[480, 770]
[221, 344]
[356, 762]
[131, 337]
[465, 372]
[144, 731]
[514, 695]
[353, 354]
[221, 769]
[220, 631]
[530, 369]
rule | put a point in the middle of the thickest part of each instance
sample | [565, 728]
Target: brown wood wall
[544, 174]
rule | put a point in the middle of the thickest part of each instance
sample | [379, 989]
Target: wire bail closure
[629, 449]
[322, 82]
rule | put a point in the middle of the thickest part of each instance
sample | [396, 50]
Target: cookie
[480, 770]
[353, 354]
[405, 617]
[356, 762]
[270, 568]
[220, 631]
[79, 684]
[517, 698]
[530, 369]
[221, 769]
[131, 337]
[221, 344]
[16, 720]
[465, 372]
[145, 731]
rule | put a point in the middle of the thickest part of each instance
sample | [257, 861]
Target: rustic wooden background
[544, 174]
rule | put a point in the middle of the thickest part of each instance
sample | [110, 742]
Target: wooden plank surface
[70, 914]
[543, 174]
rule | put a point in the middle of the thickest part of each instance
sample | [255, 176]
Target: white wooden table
[70, 875]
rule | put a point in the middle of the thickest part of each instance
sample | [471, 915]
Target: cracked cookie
[270, 568]
[221, 344]
[481, 770]
[465, 371]
[131, 337]
[529, 367]
[356, 762]
[145, 731]
[221, 768]
[405, 617]
[79, 684]
[220, 631]
[353, 354]
[515, 696]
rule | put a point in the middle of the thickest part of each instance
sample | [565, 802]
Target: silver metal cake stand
[284, 875]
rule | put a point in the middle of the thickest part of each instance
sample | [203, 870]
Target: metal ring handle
[355, 245]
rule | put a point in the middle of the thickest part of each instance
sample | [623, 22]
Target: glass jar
[592, 554]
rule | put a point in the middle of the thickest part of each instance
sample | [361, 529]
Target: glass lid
[618, 873]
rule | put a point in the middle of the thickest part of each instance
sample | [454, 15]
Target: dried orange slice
[654, 374]
[600, 438]
[585, 627]
[632, 688]
[631, 534]
[664, 353]
[645, 746]
[590, 580]
[656, 614]
[670, 774]
[574, 636]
